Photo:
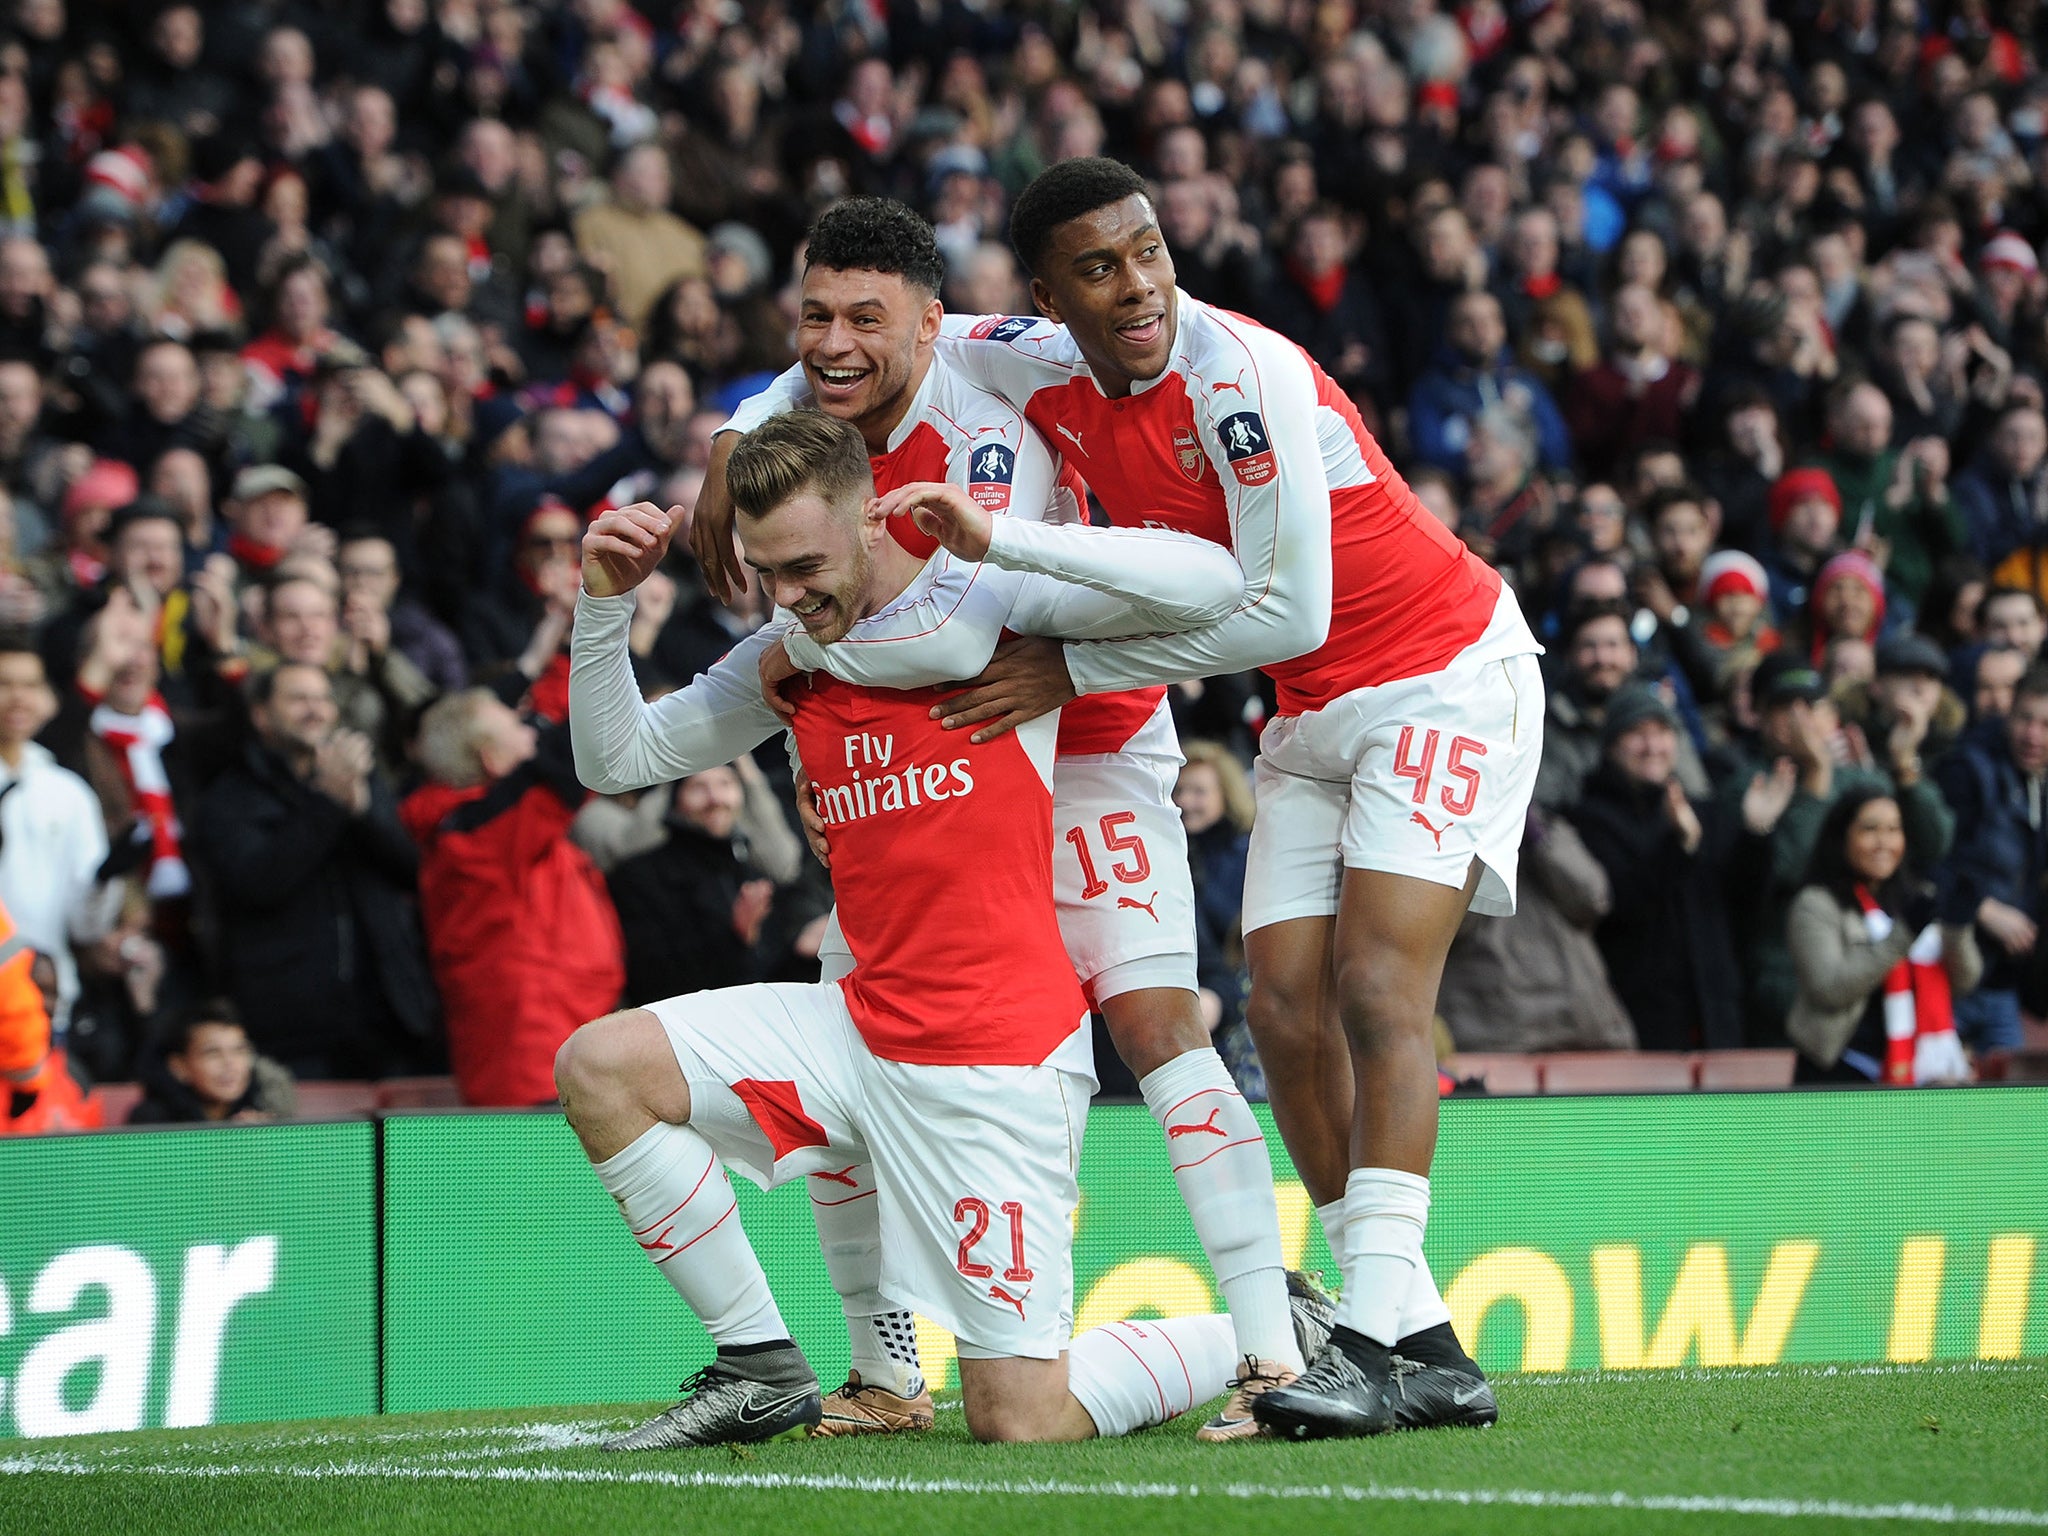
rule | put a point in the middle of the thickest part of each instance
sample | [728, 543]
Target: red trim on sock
[693, 1242]
[1249, 1141]
[1176, 1108]
[1146, 1369]
[643, 1231]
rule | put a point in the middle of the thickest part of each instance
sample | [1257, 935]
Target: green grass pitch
[1793, 1449]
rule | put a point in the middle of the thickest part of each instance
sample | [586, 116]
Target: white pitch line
[1369, 1493]
[1608, 1376]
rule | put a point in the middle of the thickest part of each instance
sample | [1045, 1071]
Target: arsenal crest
[1187, 452]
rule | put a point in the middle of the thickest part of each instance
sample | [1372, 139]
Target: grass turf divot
[1787, 1449]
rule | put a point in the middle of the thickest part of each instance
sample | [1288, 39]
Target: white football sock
[1219, 1160]
[881, 1338]
[1132, 1375]
[673, 1192]
[1385, 1212]
[1425, 1306]
[1332, 1218]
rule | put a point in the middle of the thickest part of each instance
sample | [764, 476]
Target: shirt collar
[918, 404]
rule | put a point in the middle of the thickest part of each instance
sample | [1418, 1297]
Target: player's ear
[928, 323]
[1042, 299]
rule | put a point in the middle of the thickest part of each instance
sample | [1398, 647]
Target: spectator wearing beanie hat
[89, 505]
[1733, 617]
[2008, 284]
[1806, 516]
[1677, 867]
[1847, 603]
[1907, 712]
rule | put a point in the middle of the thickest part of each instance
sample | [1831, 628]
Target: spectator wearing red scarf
[1323, 303]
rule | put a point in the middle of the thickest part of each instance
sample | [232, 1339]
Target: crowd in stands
[325, 325]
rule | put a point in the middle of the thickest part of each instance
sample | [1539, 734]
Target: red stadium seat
[1738, 1070]
[1501, 1071]
[418, 1093]
[1618, 1072]
[335, 1101]
[116, 1101]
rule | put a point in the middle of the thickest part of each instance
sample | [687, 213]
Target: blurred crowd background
[325, 325]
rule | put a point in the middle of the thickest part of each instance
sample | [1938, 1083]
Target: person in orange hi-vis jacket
[41, 1093]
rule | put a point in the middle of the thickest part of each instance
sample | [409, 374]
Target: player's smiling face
[861, 337]
[816, 560]
[1107, 278]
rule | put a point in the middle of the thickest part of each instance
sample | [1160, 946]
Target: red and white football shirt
[958, 433]
[1245, 441]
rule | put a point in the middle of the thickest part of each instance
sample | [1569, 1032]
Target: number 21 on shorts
[1421, 767]
[974, 1213]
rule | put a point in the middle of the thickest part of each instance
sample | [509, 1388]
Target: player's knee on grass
[1021, 1402]
[1154, 1026]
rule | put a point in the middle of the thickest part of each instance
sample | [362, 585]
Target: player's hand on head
[711, 536]
[1027, 678]
[624, 545]
[777, 669]
[943, 511]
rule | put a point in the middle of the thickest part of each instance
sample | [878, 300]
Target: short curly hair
[1067, 191]
[876, 234]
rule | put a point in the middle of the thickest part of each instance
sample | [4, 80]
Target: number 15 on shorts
[1131, 865]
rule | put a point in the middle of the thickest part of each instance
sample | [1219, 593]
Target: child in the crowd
[1736, 593]
[1733, 623]
[206, 1069]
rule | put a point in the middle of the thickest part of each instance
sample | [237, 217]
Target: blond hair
[1237, 789]
[802, 450]
[448, 738]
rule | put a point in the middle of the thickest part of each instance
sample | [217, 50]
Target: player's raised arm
[1152, 578]
[1126, 581]
[621, 742]
[1264, 448]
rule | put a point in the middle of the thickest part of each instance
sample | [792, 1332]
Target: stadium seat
[335, 1101]
[418, 1093]
[116, 1101]
[1618, 1072]
[1738, 1070]
[1501, 1071]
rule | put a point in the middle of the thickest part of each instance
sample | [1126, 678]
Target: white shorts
[1121, 882]
[1416, 777]
[974, 1166]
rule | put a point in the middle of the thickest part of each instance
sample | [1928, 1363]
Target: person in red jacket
[521, 934]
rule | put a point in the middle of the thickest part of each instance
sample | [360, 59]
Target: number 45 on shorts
[1420, 765]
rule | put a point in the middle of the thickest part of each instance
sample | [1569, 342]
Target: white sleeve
[785, 392]
[624, 743]
[1003, 354]
[1040, 579]
[1279, 504]
[1090, 582]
